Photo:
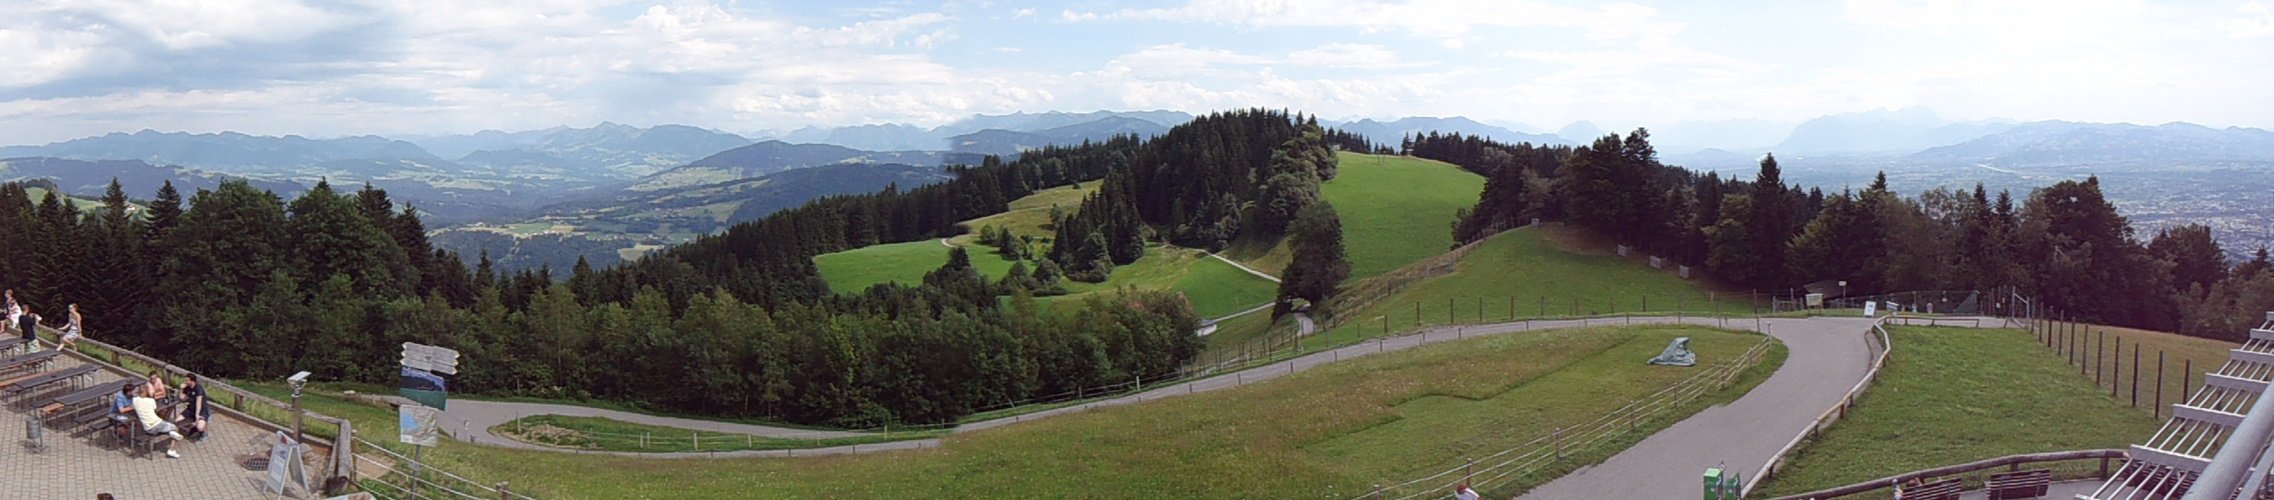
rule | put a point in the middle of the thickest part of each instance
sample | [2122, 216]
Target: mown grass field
[1951, 395]
[1395, 210]
[1330, 432]
[1525, 273]
[1029, 215]
[854, 270]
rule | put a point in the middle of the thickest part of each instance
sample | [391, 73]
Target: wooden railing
[2010, 462]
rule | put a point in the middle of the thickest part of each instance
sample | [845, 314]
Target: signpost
[429, 395]
[420, 364]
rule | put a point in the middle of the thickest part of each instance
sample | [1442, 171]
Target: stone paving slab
[78, 464]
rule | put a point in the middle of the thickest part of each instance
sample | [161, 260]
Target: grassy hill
[1549, 271]
[1329, 432]
[1214, 287]
[1395, 210]
[1030, 216]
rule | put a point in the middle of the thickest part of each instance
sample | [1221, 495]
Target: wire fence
[391, 475]
[1506, 466]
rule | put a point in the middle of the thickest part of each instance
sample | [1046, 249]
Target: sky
[75, 68]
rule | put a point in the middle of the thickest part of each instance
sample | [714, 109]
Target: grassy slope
[2181, 353]
[1328, 432]
[1524, 265]
[1955, 395]
[1028, 215]
[855, 270]
[1395, 210]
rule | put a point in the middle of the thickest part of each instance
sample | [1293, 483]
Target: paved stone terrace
[78, 464]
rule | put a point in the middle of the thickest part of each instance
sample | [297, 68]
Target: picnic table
[28, 385]
[38, 360]
[11, 344]
[73, 403]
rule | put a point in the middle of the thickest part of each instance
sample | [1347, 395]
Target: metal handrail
[2005, 461]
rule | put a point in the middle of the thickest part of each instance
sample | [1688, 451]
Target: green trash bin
[1732, 488]
[1713, 484]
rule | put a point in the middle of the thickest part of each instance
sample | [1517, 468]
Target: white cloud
[2257, 21]
[1026, 13]
[1445, 19]
[1177, 60]
[1349, 55]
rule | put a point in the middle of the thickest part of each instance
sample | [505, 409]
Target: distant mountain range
[2072, 143]
[1391, 132]
[1884, 131]
[1052, 128]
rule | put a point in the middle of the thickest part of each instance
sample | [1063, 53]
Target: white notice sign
[1871, 309]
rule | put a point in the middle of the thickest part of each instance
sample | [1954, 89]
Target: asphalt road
[1827, 357]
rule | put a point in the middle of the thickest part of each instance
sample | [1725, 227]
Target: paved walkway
[1259, 274]
[76, 465]
[1826, 358]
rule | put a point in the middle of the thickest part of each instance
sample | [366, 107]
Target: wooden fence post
[503, 493]
[2135, 374]
[2116, 375]
[2159, 385]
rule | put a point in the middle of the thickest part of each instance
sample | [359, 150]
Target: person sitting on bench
[122, 409]
[146, 409]
[194, 409]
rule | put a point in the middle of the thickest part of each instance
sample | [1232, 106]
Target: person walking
[70, 331]
[15, 311]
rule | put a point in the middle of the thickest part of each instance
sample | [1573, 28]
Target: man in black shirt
[195, 409]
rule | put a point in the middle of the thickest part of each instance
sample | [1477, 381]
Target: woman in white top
[15, 311]
[70, 331]
[146, 410]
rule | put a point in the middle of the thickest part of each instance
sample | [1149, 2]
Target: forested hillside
[2064, 245]
[239, 282]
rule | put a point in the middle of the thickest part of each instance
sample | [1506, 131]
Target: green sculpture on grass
[1677, 354]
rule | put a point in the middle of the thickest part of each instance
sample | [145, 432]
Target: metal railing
[2010, 462]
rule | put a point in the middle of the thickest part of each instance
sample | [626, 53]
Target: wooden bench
[1946, 489]
[11, 344]
[2023, 484]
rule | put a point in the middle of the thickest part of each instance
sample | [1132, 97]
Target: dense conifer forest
[2064, 244]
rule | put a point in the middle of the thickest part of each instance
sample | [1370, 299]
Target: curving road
[1827, 357]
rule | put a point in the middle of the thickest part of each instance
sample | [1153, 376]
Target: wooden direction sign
[430, 358]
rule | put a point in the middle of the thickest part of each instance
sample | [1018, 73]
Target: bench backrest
[2024, 484]
[25, 359]
[1946, 489]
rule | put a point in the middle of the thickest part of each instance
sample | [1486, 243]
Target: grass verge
[1951, 395]
[602, 434]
